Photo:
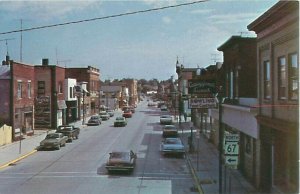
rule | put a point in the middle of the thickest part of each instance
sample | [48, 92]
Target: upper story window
[293, 77]
[29, 89]
[41, 88]
[282, 82]
[19, 92]
[267, 80]
[60, 87]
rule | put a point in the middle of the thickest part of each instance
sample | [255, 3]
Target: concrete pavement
[16, 151]
[204, 165]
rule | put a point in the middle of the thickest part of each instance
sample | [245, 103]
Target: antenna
[64, 61]
[6, 43]
[214, 57]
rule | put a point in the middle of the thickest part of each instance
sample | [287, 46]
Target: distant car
[163, 108]
[121, 161]
[169, 131]
[54, 141]
[132, 109]
[172, 146]
[94, 120]
[127, 114]
[152, 104]
[111, 113]
[120, 122]
[104, 115]
[70, 131]
[166, 120]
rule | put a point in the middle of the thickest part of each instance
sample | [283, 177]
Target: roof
[275, 13]
[234, 40]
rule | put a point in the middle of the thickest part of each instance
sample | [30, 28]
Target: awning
[61, 104]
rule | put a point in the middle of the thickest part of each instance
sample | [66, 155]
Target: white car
[172, 146]
[166, 120]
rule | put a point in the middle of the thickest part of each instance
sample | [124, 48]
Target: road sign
[231, 160]
[231, 149]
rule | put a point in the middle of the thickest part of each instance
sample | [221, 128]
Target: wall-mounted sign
[202, 103]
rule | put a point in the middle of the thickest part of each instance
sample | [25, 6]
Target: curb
[195, 177]
[18, 159]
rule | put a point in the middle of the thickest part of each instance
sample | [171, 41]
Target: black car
[94, 120]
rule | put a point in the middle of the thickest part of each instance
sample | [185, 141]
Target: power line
[105, 17]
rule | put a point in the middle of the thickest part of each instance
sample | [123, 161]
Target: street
[80, 166]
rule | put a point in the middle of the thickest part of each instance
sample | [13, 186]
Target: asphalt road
[80, 166]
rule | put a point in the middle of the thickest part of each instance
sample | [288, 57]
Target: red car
[127, 114]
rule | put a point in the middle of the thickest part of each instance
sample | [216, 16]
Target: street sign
[231, 160]
[203, 86]
[231, 149]
[202, 103]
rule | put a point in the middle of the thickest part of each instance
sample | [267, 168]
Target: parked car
[104, 115]
[169, 131]
[53, 141]
[70, 131]
[120, 122]
[127, 114]
[132, 109]
[166, 119]
[163, 108]
[172, 146]
[94, 120]
[111, 113]
[121, 161]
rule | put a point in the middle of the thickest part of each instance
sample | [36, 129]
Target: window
[282, 78]
[293, 77]
[60, 89]
[19, 92]
[41, 88]
[267, 80]
[71, 92]
[29, 89]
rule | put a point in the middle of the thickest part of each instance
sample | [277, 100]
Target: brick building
[91, 76]
[17, 102]
[240, 93]
[278, 96]
[50, 106]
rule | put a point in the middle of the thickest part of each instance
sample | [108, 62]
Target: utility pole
[21, 41]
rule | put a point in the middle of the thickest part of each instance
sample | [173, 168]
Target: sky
[140, 46]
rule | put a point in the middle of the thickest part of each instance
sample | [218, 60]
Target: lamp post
[221, 134]
[83, 107]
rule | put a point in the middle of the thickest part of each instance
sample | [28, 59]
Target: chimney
[45, 62]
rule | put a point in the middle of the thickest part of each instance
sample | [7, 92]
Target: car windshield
[52, 136]
[94, 117]
[119, 118]
[172, 141]
[65, 128]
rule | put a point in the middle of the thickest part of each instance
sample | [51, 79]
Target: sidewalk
[204, 165]
[15, 151]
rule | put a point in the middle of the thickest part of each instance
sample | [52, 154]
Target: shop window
[293, 77]
[282, 82]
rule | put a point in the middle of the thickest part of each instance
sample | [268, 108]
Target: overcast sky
[143, 45]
